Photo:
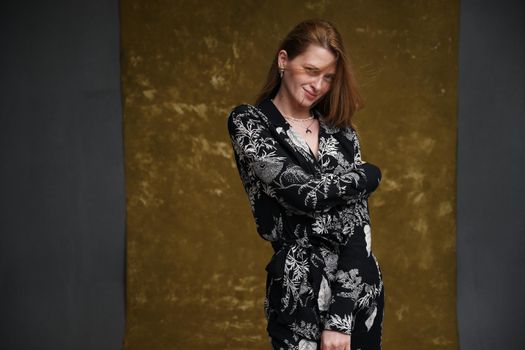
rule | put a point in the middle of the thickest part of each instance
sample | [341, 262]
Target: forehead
[319, 57]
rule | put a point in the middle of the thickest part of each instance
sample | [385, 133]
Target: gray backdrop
[490, 178]
[62, 180]
[62, 221]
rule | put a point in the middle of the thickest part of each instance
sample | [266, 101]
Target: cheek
[299, 79]
[322, 93]
[326, 87]
[296, 82]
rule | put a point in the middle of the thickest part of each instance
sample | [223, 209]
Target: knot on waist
[298, 266]
[305, 242]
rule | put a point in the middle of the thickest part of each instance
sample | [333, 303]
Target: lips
[310, 94]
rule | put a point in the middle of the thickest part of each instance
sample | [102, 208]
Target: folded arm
[257, 148]
[348, 286]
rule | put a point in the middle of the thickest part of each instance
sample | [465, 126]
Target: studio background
[195, 262]
[73, 177]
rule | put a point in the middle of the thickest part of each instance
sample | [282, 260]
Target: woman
[298, 157]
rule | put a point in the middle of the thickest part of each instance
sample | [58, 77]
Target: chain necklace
[308, 127]
[302, 120]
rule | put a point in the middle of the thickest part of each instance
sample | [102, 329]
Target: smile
[309, 94]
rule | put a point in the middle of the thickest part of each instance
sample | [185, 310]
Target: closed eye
[311, 70]
[315, 71]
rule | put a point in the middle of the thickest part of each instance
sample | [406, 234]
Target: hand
[333, 340]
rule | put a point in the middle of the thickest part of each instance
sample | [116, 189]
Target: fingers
[334, 347]
[335, 341]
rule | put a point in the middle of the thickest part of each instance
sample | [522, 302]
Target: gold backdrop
[195, 264]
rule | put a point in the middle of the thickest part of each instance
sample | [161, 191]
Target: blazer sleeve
[372, 172]
[257, 149]
[345, 287]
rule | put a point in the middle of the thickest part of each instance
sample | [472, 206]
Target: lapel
[293, 142]
[287, 138]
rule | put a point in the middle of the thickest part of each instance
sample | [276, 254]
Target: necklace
[302, 120]
[308, 127]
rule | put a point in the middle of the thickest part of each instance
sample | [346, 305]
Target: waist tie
[300, 267]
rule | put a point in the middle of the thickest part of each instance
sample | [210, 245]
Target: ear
[282, 58]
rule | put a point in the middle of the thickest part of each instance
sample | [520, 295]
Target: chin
[306, 102]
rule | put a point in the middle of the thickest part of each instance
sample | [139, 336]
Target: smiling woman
[312, 72]
[308, 83]
[299, 160]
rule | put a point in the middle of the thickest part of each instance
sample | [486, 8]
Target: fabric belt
[300, 267]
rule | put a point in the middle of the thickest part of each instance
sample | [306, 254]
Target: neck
[289, 107]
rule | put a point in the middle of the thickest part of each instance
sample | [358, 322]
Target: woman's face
[308, 77]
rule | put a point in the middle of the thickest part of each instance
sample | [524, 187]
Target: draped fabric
[314, 211]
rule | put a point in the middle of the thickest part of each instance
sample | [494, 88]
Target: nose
[318, 83]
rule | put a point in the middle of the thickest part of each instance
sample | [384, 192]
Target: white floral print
[325, 294]
[314, 211]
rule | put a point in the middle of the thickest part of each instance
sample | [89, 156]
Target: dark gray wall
[62, 208]
[491, 173]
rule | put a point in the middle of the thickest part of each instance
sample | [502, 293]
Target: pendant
[308, 130]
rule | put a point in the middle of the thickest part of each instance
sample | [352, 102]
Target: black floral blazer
[309, 209]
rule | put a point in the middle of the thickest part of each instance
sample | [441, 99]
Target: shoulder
[244, 109]
[245, 115]
[346, 130]
[349, 132]
[246, 112]
[240, 113]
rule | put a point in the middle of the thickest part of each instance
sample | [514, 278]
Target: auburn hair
[343, 100]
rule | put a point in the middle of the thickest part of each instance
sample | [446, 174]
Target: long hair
[340, 103]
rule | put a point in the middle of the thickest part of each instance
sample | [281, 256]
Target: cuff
[373, 176]
[340, 317]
